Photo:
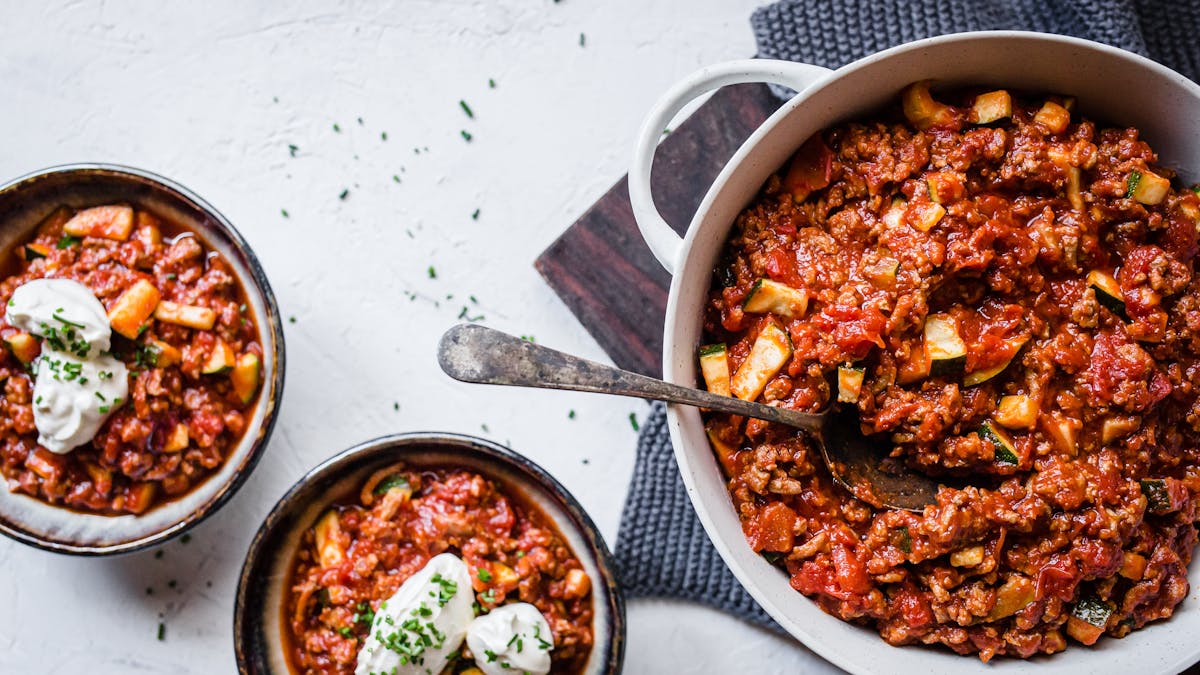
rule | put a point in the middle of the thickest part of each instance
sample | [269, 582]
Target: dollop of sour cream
[425, 621]
[511, 639]
[78, 384]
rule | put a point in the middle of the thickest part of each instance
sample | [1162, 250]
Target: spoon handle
[474, 353]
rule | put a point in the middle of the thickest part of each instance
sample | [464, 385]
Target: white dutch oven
[1110, 85]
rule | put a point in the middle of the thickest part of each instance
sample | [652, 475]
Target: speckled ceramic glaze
[258, 615]
[24, 202]
[1110, 85]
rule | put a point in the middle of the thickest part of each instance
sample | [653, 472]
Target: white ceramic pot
[1110, 85]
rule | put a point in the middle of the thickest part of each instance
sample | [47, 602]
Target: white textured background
[211, 94]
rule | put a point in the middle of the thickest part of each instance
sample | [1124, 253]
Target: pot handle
[659, 236]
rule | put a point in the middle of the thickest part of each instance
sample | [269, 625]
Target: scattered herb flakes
[475, 215]
[292, 149]
[485, 428]
[466, 135]
[284, 213]
[491, 83]
[667, 131]
[465, 315]
[396, 178]
[360, 121]
[633, 421]
[291, 319]
[484, 575]
[162, 631]
[432, 272]
[473, 299]
[528, 338]
[586, 461]
[571, 414]
[582, 40]
[275, 99]
[396, 406]
[67, 241]
[337, 128]
[345, 193]
[383, 135]
[466, 108]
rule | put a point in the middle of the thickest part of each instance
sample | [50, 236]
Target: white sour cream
[77, 384]
[417, 629]
[511, 639]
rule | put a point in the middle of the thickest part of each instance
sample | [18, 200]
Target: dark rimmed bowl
[258, 614]
[25, 202]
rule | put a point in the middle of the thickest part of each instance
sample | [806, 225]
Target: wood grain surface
[600, 266]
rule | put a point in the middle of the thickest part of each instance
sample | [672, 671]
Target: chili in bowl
[142, 361]
[428, 552]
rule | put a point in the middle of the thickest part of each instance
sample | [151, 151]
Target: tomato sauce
[1064, 257]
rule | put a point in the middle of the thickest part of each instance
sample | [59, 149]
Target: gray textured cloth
[662, 550]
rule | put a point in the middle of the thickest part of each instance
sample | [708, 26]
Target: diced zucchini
[1017, 412]
[1005, 451]
[915, 367]
[1075, 187]
[970, 556]
[163, 355]
[190, 316]
[884, 272]
[894, 216]
[23, 346]
[1158, 496]
[850, 381]
[1054, 117]
[245, 376]
[177, 439]
[1118, 427]
[921, 110]
[1108, 292]
[1088, 619]
[1146, 187]
[393, 481]
[1062, 432]
[31, 252]
[810, 169]
[1012, 597]
[328, 533]
[726, 453]
[133, 308]
[989, 107]
[780, 299]
[107, 222]
[946, 351]
[926, 215]
[944, 187]
[981, 376]
[220, 359]
[768, 356]
[1133, 566]
[714, 365]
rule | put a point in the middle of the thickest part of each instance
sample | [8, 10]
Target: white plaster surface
[211, 94]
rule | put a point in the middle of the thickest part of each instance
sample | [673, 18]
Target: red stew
[191, 386]
[359, 553]
[1008, 293]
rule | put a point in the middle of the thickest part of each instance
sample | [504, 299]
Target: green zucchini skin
[1006, 453]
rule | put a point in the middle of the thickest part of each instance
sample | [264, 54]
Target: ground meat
[1071, 415]
[129, 467]
[363, 549]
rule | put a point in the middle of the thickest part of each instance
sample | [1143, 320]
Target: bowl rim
[346, 460]
[275, 331]
[705, 504]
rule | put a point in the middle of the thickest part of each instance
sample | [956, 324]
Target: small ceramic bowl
[24, 202]
[258, 624]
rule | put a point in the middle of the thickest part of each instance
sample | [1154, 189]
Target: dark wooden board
[600, 266]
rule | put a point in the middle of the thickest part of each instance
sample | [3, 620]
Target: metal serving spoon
[473, 353]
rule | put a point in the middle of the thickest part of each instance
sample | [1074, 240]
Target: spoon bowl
[474, 353]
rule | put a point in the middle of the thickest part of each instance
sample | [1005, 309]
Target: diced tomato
[811, 169]
[851, 573]
[772, 529]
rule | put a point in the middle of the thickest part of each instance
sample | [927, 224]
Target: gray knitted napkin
[662, 550]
